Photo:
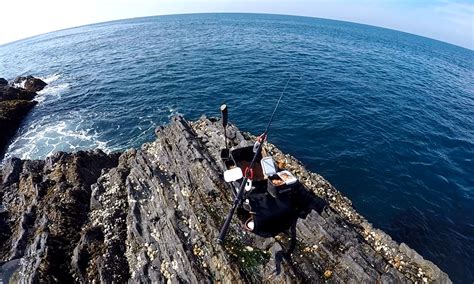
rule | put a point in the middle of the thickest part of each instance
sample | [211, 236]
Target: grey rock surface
[152, 215]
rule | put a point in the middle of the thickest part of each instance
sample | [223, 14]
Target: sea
[386, 116]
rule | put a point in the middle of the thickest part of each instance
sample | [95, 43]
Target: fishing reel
[260, 139]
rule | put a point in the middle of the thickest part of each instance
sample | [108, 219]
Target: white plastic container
[268, 166]
[287, 177]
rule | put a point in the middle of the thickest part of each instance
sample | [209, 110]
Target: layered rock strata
[153, 215]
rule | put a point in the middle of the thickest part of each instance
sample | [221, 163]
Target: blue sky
[447, 20]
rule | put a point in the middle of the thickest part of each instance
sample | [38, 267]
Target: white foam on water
[48, 80]
[173, 112]
[51, 78]
[47, 136]
[54, 90]
[19, 85]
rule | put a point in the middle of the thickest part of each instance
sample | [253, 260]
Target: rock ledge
[153, 214]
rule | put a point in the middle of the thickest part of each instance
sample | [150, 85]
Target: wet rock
[12, 93]
[30, 83]
[15, 104]
[12, 114]
[153, 215]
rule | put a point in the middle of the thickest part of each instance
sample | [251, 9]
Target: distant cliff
[153, 214]
[16, 100]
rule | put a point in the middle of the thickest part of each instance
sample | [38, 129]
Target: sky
[446, 20]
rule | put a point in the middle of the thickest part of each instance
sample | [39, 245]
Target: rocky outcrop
[8, 93]
[30, 83]
[15, 104]
[153, 215]
[12, 114]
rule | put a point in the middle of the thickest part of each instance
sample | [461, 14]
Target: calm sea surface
[387, 117]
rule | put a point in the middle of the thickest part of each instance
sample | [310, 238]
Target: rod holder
[224, 115]
[224, 119]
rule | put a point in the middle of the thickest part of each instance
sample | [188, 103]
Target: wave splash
[51, 78]
[54, 90]
[44, 137]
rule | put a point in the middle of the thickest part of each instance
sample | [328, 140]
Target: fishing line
[257, 148]
[278, 102]
[261, 95]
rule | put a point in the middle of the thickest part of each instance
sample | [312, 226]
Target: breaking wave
[54, 90]
[51, 78]
[44, 137]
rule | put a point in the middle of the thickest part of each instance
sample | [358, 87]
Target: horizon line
[249, 13]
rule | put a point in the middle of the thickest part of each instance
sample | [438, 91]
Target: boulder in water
[30, 83]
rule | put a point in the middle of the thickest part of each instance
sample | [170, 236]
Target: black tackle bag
[266, 215]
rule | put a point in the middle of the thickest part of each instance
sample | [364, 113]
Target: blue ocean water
[387, 117]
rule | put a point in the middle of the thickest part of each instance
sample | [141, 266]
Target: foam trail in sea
[48, 135]
[54, 90]
[51, 78]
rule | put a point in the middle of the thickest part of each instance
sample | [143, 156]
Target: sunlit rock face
[153, 215]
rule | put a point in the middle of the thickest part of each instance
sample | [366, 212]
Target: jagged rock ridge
[153, 214]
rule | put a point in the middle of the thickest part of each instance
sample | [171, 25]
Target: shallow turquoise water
[387, 117]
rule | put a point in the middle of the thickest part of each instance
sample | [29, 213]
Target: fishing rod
[257, 148]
